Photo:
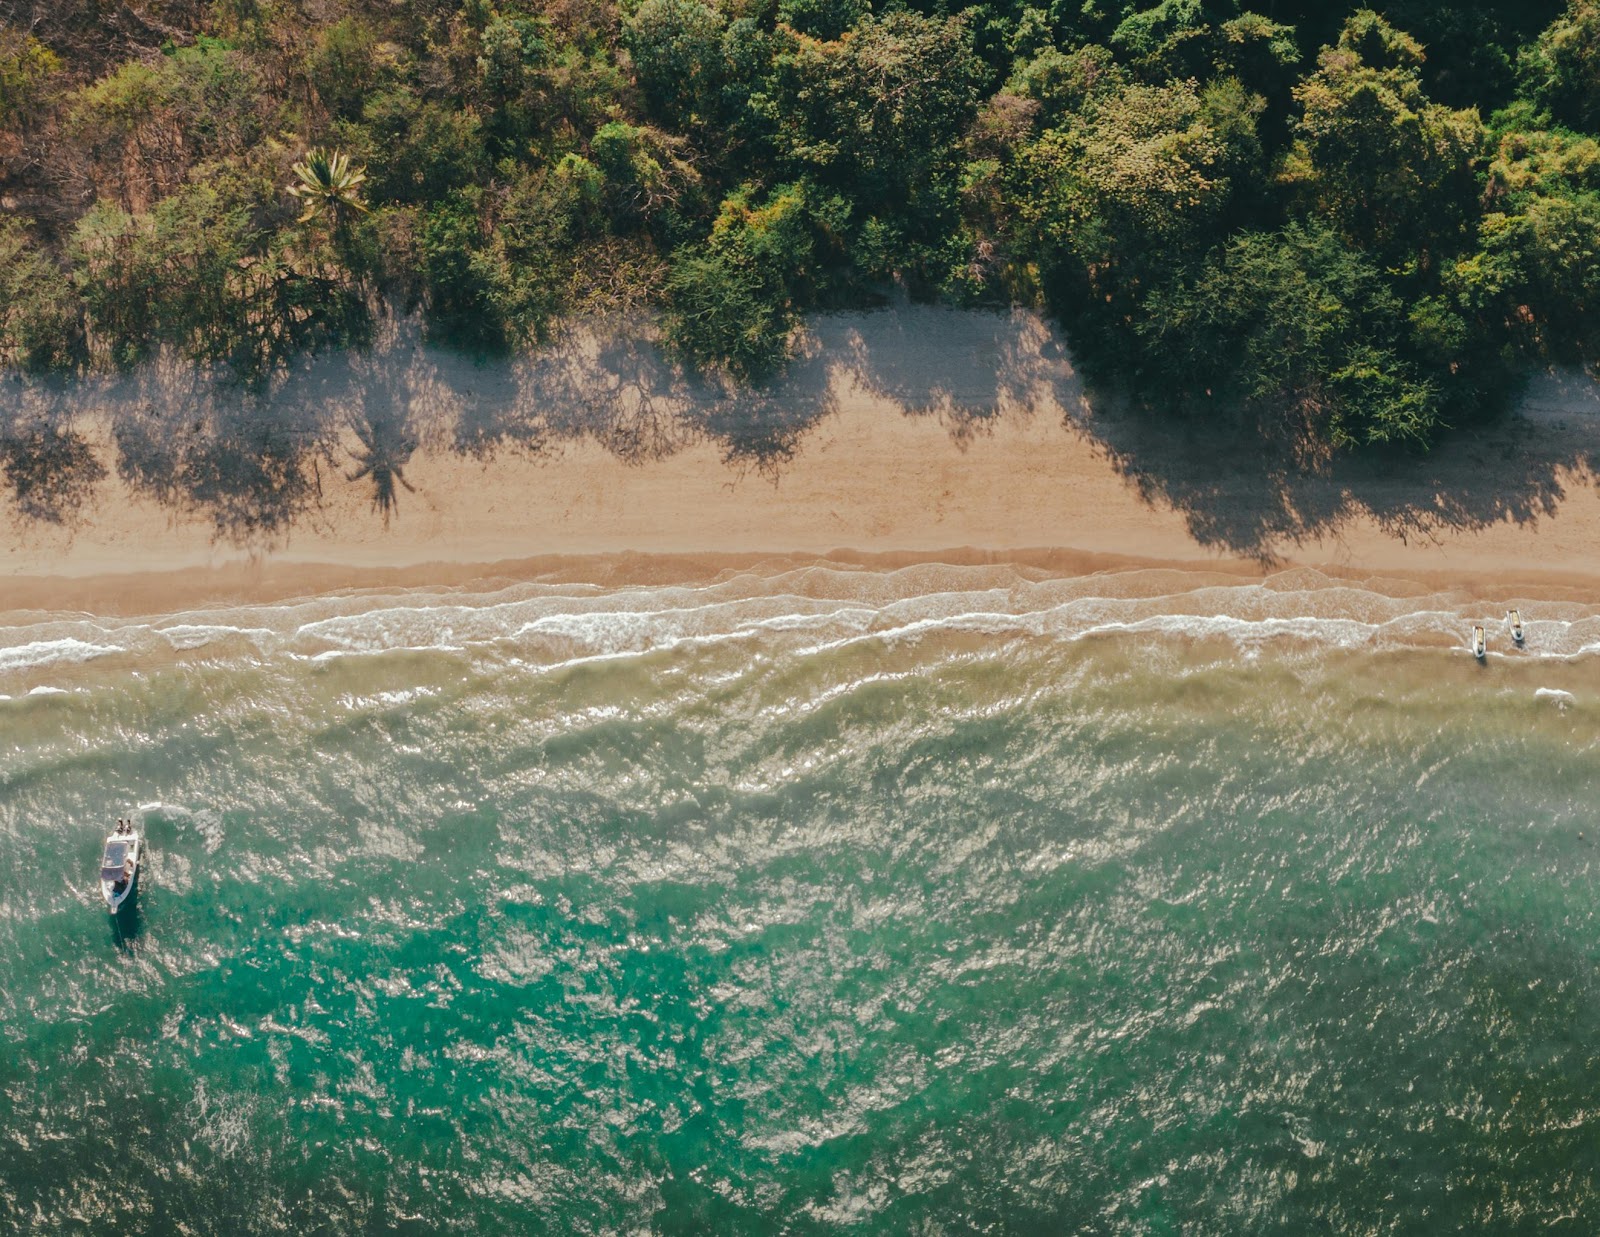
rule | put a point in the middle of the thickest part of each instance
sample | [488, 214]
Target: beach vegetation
[330, 187]
[1364, 221]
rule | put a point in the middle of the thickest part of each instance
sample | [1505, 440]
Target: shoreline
[939, 436]
[151, 593]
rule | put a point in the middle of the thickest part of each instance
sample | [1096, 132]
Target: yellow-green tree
[1393, 171]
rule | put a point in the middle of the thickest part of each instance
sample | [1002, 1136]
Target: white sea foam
[39, 653]
[189, 636]
[388, 699]
[336, 654]
[826, 608]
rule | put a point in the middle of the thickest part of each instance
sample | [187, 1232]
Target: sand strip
[937, 435]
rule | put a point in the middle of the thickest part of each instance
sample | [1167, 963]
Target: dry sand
[925, 434]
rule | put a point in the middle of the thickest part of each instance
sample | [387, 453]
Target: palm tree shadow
[386, 447]
[376, 401]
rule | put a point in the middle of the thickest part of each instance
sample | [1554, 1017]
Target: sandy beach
[904, 435]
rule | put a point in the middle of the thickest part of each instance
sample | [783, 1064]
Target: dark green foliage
[1065, 84]
[1133, 181]
[1561, 71]
[874, 114]
[735, 307]
[488, 290]
[344, 68]
[38, 311]
[1373, 155]
[1536, 276]
[1296, 209]
[1294, 321]
[460, 275]
[677, 49]
[194, 274]
[415, 150]
[821, 19]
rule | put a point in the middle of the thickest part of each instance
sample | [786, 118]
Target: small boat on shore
[119, 865]
[1516, 627]
[1480, 642]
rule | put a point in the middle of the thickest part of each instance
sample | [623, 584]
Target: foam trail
[41, 653]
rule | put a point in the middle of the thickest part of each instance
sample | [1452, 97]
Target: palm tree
[327, 184]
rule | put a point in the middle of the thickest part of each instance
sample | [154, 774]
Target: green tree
[464, 275]
[1535, 276]
[39, 311]
[1393, 171]
[513, 50]
[25, 65]
[1560, 72]
[876, 112]
[196, 274]
[1064, 84]
[733, 308]
[647, 173]
[1141, 177]
[416, 150]
[1298, 324]
[679, 61]
[124, 132]
[344, 66]
[214, 97]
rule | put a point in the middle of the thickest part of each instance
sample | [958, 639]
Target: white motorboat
[1480, 642]
[1516, 627]
[119, 865]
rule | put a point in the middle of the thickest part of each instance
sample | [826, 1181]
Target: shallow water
[936, 900]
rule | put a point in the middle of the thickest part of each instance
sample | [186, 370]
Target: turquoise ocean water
[940, 900]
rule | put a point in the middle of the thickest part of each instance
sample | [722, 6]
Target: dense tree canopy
[1367, 221]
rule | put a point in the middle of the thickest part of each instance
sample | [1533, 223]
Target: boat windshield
[111, 862]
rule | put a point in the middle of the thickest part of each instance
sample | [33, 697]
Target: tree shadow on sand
[49, 467]
[199, 444]
[250, 462]
[1251, 488]
[1258, 489]
[763, 428]
[611, 384]
[967, 369]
